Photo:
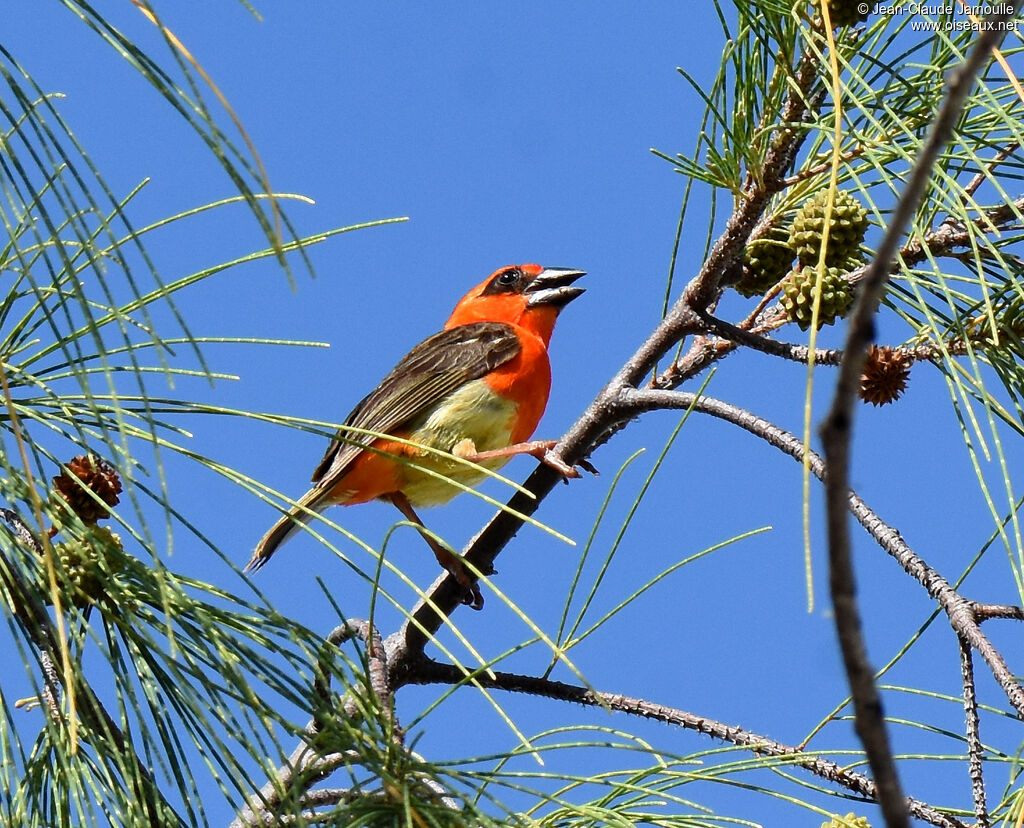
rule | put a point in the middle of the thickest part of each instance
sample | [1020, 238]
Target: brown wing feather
[425, 376]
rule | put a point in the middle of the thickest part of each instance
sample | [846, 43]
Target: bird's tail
[291, 522]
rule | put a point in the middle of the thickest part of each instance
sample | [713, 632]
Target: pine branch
[427, 671]
[601, 419]
[959, 610]
[837, 434]
[975, 749]
[36, 623]
[801, 353]
[306, 766]
[983, 612]
[376, 667]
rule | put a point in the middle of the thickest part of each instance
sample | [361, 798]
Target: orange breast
[525, 380]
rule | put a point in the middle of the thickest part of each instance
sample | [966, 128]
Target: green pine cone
[847, 226]
[851, 820]
[765, 261]
[798, 296]
[88, 563]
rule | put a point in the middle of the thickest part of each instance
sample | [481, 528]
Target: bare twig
[869, 720]
[322, 797]
[304, 768]
[824, 166]
[377, 666]
[1002, 155]
[786, 350]
[426, 671]
[982, 612]
[975, 749]
[800, 353]
[51, 683]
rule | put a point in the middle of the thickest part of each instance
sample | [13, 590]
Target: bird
[475, 391]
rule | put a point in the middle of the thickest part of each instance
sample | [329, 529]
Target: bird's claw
[471, 595]
[549, 458]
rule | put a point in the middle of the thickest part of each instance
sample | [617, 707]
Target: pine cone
[885, 376]
[96, 475]
[765, 261]
[798, 296]
[88, 563]
[845, 12]
[851, 820]
[847, 227]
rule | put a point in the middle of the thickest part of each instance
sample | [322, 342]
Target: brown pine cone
[88, 472]
[885, 376]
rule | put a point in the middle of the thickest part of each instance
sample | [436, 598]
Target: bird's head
[528, 295]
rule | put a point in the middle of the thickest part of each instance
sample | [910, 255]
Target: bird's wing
[426, 375]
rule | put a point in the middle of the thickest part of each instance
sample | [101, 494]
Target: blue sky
[514, 133]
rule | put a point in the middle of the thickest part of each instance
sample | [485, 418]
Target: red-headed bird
[476, 390]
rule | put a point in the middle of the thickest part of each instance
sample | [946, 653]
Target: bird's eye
[509, 280]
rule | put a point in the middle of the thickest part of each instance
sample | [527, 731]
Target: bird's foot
[539, 449]
[456, 567]
[449, 560]
[472, 597]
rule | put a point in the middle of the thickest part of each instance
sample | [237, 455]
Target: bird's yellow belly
[474, 413]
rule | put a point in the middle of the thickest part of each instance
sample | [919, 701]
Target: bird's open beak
[552, 287]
